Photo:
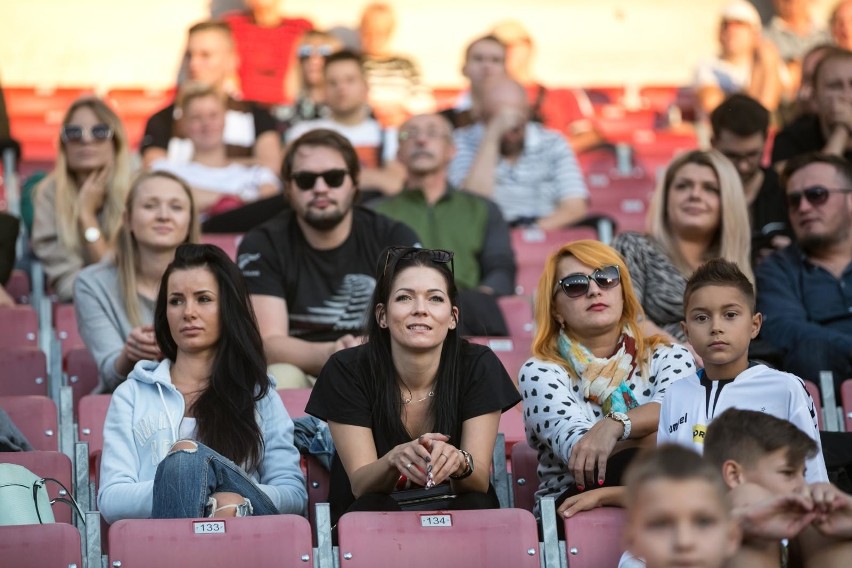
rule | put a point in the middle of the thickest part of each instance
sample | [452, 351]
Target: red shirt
[265, 54]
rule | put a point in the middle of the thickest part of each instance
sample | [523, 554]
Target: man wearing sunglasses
[310, 270]
[805, 290]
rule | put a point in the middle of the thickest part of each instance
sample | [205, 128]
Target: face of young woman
[694, 204]
[160, 214]
[419, 313]
[87, 154]
[596, 312]
[193, 310]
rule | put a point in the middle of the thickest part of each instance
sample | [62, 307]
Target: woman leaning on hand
[416, 405]
[592, 389]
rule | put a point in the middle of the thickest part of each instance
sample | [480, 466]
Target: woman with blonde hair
[592, 389]
[114, 299]
[699, 212]
[78, 207]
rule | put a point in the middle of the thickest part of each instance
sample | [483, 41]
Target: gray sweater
[102, 319]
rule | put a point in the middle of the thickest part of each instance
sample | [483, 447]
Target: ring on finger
[409, 465]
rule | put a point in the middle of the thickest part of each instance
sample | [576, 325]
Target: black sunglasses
[816, 195]
[577, 284]
[75, 133]
[307, 180]
[439, 256]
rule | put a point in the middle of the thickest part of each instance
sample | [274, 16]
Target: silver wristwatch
[625, 421]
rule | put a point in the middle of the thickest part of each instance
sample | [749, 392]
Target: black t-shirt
[244, 122]
[799, 137]
[769, 212]
[345, 393]
[327, 291]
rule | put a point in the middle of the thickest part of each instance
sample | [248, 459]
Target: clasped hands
[429, 454]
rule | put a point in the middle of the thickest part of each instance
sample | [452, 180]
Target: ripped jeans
[186, 479]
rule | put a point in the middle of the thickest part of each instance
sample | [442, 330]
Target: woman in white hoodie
[203, 432]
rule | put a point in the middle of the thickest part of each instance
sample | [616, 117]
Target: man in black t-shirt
[740, 129]
[311, 269]
[250, 131]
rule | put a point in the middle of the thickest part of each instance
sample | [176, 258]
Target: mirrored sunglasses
[75, 133]
[576, 285]
[306, 51]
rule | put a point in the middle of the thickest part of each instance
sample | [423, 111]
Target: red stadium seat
[415, 539]
[18, 327]
[524, 475]
[135, 107]
[37, 546]
[24, 372]
[82, 373]
[846, 401]
[512, 427]
[65, 324]
[37, 419]
[511, 353]
[274, 540]
[813, 390]
[227, 242]
[533, 246]
[90, 423]
[47, 464]
[18, 286]
[593, 538]
[518, 313]
[625, 200]
[295, 401]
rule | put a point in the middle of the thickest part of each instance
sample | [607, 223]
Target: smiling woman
[415, 406]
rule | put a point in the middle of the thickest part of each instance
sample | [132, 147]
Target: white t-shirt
[691, 405]
[234, 179]
[367, 136]
[728, 77]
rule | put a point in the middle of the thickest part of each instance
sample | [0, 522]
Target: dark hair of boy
[746, 436]
[344, 55]
[718, 272]
[671, 462]
[741, 115]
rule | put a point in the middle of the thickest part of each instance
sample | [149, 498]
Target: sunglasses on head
[75, 133]
[438, 256]
[306, 51]
[577, 284]
[816, 195]
[307, 180]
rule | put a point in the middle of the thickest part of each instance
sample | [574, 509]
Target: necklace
[410, 399]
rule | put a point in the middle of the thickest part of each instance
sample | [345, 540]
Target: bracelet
[468, 466]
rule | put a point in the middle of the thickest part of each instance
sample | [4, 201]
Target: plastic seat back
[18, 327]
[37, 546]
[90, 422]
[82, 373]
[846, 401]
[274, 540]
[295, 401]
[593, 538]
[524, 475]
[37, 419]
[415, 539]
[24, 372]
[47, 464]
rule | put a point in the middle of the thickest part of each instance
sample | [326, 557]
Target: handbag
[422, 499]
[25, 499]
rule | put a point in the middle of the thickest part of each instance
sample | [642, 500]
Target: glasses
[306, 51]
[307, 180]
[816, 195]
[75, 133]
[430, 133]
[438, 256]
[577, 284]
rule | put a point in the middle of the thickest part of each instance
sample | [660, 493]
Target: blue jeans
[186, 479]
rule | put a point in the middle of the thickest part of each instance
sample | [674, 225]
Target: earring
[382, 325]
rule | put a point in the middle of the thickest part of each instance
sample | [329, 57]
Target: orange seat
[37, 419]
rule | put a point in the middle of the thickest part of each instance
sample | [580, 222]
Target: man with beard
[528, 170]
[805, 290]
[447, 218]
[310, 270]
[740, 128]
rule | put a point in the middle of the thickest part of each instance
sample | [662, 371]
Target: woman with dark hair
[415, 406]
[203, 432]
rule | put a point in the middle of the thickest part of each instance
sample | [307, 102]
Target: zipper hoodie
[141, 426]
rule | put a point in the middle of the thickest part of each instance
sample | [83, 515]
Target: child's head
[755, 447]
[719, 315]
[677, 513]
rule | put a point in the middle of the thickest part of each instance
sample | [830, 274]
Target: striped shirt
[545, 174]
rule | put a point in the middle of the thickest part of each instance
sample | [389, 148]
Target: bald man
[528, 170]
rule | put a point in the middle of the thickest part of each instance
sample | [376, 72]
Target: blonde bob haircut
[127, 247]
[67, 190]
[594, 254]
[732, 240]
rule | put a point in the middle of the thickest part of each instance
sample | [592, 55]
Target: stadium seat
[274, 540]
[512, 353]
[533, 246]
[295, 401]
[19, 287]
[18, 327]
[47, 464]
[228, 242]
[318, 479]
[518, 313]
[512, 427]
[846, 402]
[82, 373]
[24, 372]
[593, 538]
[90, 424]
[813, 390]
[65, 324]
[524, 475]
[135, 106]
[37, 546]
[35, 115]
[37, 419]
[414, 539]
